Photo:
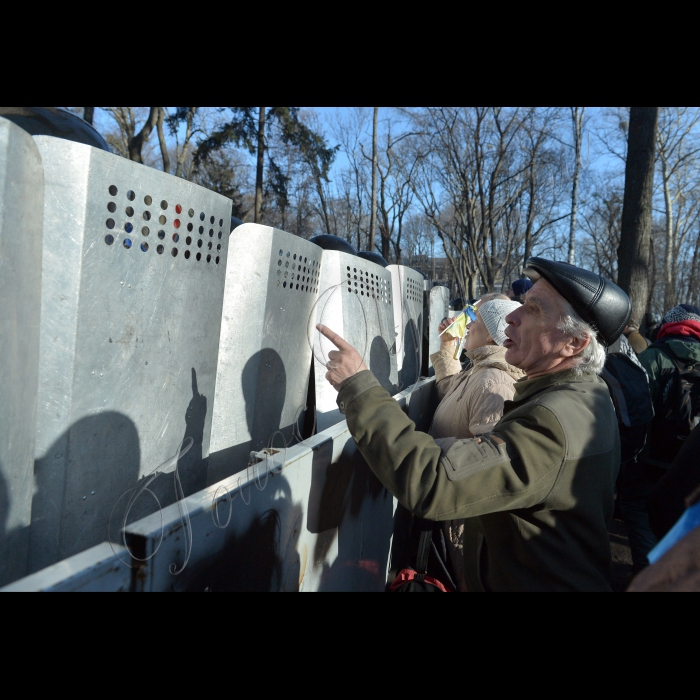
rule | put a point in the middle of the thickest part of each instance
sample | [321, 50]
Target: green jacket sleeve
[658, 367]
[515, 466]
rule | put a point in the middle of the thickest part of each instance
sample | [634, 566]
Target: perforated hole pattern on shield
[295, 272]
[414, 290]
[367, 284]
[127, 211]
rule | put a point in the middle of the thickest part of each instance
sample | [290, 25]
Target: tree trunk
[136, 143]
[188, 135]
[259, 168]
[670, 242]
[577, 117]
[161, 140]
[88, 114]
[635, 234]
[373, 212]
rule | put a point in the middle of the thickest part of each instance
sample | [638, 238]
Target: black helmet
[328, 241]
[374, 257]
[54, 121]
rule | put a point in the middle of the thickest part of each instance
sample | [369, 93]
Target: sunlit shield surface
[134, 265]
[354, 300]
[407, 299]
[438, 307]
[264, 357]
[21, 215]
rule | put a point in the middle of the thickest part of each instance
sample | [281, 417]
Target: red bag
[410, 580]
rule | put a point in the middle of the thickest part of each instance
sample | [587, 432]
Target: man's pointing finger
[333, 337]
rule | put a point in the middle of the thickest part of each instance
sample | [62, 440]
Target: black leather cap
[595, 299]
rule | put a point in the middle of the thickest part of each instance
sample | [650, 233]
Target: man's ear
[575, 346]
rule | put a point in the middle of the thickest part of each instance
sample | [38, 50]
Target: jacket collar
[526, 388]
[493, 356]
[494, 352]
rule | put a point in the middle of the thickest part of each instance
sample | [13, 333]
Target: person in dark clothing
[678, 344]
[667, 499]
[653, 324]
[517, 289]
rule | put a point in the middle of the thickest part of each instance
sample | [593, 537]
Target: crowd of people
[532, 448]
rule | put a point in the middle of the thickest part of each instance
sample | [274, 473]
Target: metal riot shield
[437, 308]
[21, 216]
[264, 358]
[134, 265]
[354, 300]
[407, 299]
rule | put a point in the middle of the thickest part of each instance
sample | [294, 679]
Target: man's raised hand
[342, 363]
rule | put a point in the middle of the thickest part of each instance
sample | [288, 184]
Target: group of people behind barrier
[521, 471]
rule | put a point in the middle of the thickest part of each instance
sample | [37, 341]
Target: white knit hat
[494, 313]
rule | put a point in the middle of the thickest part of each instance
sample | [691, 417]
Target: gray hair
[592, 358]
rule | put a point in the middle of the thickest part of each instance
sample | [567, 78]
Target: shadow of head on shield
[380, 364]
[410, 371]
[264, 383]
[78, 480]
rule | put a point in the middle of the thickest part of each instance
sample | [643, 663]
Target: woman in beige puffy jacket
[471, 400]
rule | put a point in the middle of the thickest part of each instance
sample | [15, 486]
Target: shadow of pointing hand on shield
[192, 469]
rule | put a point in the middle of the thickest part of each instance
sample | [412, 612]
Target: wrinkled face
[477, 335]
[534, 343]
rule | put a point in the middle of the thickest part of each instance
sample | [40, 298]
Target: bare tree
[137, 141]
[161, 140]
[373, 210]
[678, 155]
[479, 183]
[353, 179]
[577, 115]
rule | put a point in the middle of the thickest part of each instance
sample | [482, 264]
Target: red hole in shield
[176, 223]
[178, 209]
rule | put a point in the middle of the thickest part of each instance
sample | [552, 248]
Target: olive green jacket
[537, 491]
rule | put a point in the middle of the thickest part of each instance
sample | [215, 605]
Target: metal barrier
[98, 569]
[407, 298]
[272, 283]
[21, 216]
[355, 301]
[134, 265]
[311, 518]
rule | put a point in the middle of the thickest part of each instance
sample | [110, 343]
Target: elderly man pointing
[537, 491]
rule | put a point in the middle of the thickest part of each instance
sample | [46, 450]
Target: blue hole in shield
[128, 228]
[127, 242]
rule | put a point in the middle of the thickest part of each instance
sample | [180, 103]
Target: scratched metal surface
[354, 300]
[264, 356]
[100, 569]
[21, 216]
[437, 308]
[129, 338]
[323, 523]
[407, 300]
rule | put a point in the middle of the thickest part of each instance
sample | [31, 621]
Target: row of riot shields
[135, 323]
